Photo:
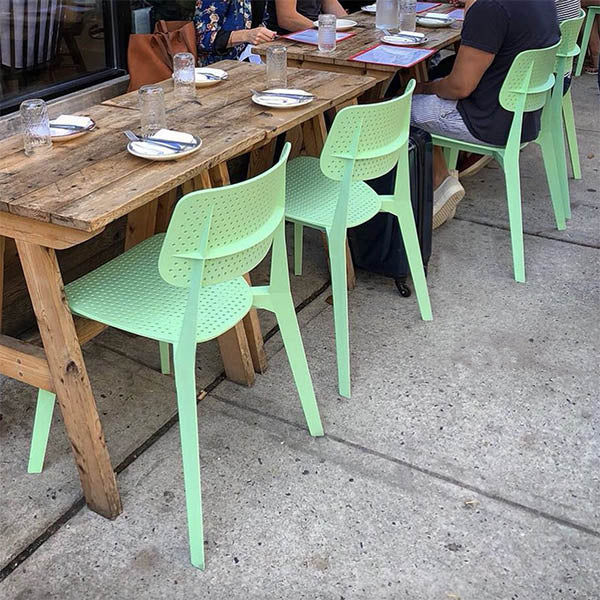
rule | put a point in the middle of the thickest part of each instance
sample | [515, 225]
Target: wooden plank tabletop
[91, 181]
[366, 36]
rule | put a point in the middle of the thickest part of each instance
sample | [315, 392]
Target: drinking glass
[407, 15]
[386, 14]
[36, 127]
[326, 37]
[184, 75]
[152, 109]
[276, 67]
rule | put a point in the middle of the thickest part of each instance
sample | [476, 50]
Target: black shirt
[504, 28]
[311, 9]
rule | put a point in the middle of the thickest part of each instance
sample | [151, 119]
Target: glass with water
[184, 75]
[326, 37]
[386, 14]
[407, 15]
[36, 127]
[152, 109]
[276, 67]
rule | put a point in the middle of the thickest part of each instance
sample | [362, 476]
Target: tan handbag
[150, 55]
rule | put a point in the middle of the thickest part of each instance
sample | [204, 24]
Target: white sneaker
[445, 200]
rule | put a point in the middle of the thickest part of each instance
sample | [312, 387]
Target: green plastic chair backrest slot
[569, 33]
[238, 222]
[383, 131]
[529, 79]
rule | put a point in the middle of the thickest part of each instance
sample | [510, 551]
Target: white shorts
[440, 116]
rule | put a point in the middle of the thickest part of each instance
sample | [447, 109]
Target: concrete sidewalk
[465, 466]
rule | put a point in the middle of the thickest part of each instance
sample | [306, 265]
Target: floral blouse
[214, 21]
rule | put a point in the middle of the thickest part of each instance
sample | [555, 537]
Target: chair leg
[165, 360]
[298, 245]
[41, 430]
[410, 238]
[185, 383]
[453, 159]
[569, 120]
[292, 340]
[547, 143]
[585, 40]
[337, 260]
[513, 196]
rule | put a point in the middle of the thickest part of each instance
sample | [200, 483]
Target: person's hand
[457, 3]
[259, 35]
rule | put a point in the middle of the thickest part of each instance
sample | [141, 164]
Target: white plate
[278, 102]
[163, 157]
[203, 81]
[434, 23]
[71, 135]
[341, 24]
[400, 40]
[371, 9]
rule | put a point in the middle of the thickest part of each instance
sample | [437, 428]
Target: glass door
[51, 47]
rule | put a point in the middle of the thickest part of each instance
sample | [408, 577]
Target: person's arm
[289, 18]
[333, 7]
[469, 67]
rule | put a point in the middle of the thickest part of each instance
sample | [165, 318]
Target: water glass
[407, 15]
[276, 67]
[152, 108]
[36, 127]
[386, 14]
[327, 35]
[184, 75]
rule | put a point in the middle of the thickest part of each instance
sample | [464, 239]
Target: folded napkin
[413, 34]
[68, 120]
[164, 134]
[436, 15]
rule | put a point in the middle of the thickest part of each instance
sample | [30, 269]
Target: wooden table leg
[255, 338]
[141, 224]
[2, 250]
[241, 347]
[166, 205]
[315, 134]
[262, 158]
[71, 382]
[294, 136]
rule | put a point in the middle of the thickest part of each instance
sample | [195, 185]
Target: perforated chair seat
[128, 293]
[311, 197]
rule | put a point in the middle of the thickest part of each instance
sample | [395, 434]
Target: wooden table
[57, 201]
[308, 57]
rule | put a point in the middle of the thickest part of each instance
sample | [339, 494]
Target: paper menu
[458, 14]
[394, 56]
[310, 36]
[423, 6]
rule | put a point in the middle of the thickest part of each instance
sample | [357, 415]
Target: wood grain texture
[2, 251]
[94, 180]
[25, 362]
[237, 360]
[71, 382]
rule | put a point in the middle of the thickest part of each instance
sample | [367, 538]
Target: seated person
[593, 49]
[465, 104]
[224, 27]
[295, 15]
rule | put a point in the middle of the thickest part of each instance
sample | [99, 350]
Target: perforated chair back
[229, 229]
[568, 49]
[371, 135]
[528, 80]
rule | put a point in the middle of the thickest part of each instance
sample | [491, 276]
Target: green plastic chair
[527, 88]
[330, 194]
[568, 49]
[187, 286]
[592, 13]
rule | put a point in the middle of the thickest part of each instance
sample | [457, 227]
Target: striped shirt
[567, 9]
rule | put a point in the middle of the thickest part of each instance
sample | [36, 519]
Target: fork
[284, 95]
[178, 146]
[213, 77]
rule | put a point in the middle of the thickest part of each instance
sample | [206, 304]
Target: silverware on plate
[172, 144]
[284, 95]
[69, 127]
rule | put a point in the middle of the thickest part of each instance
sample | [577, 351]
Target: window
[52, 47]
